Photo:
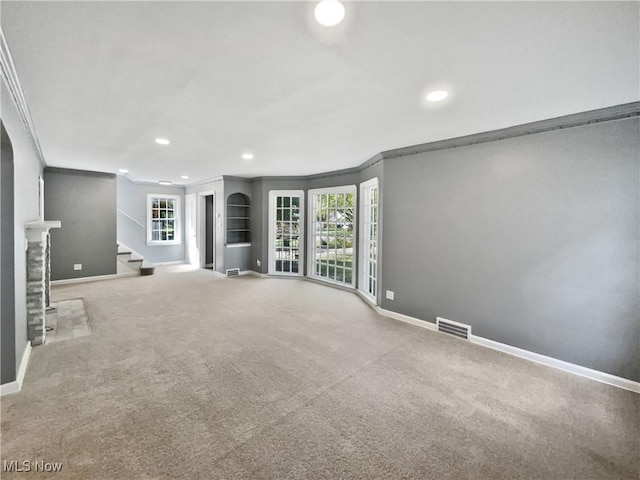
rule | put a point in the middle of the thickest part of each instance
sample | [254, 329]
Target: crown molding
[10, 76]
[608, 114]
[84, 173]
[206, 181]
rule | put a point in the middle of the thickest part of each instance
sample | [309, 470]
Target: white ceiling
[103, 80]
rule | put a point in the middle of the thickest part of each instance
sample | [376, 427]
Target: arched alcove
[238, 219]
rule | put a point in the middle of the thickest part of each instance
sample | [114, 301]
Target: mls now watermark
[26, 466]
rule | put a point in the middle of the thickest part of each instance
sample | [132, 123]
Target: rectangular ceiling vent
[233, 272]
[453, 328]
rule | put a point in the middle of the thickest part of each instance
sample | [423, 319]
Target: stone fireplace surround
[38, 277]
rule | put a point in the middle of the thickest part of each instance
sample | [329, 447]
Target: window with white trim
[369, 238]
[163, 219]
[332, 234]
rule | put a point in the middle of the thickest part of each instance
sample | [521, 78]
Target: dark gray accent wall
[257, 226]
[7, 258]
[533, 241]
[85, 203]
[132, 220]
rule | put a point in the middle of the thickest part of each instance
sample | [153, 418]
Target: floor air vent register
[233, 272]
[456, 329]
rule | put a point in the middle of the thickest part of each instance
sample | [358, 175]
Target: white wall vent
[233, 272]
[453, 328]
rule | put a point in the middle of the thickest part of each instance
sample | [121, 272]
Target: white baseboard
[128, 274]
[589, 373]
[16, 386]
[175, 262]
[243, 272]
[407, 319]
[254, 273]
[97, 278]
[326, 283]
[559, 364]
[367, 300]
[9, 388]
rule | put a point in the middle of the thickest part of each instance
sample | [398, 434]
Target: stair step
[148, 270]
[131, 260]
[124, 253]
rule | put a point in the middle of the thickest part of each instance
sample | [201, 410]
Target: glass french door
[369, 195]
[332, 230]
[286, 232]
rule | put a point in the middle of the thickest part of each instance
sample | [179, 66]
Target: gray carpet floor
[187, 375]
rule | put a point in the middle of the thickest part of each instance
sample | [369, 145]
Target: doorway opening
[208, 234]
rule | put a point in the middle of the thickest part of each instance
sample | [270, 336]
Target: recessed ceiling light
[247, 156]
[437, 95]
[329, 13]
[185, 177]
[162, 141]
[123, 170]
[165, 182]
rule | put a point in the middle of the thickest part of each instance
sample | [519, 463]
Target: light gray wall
[533, 241]
[7, 259]
[132, 220]
[85, 203]
[26, 173]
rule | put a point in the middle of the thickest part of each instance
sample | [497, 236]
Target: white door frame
[301, 239]
[191, 228]
[41, 198]
[202, 232]
[363, 256]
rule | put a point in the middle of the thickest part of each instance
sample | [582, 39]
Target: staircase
[131, 263]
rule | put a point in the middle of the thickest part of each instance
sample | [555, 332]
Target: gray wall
[532, 240]
[85, 203]
[7, 258]
[132, 220]
[27, 169]
[260, 216]
[237, 256]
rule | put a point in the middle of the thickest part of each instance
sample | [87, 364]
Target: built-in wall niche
[238, 219]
